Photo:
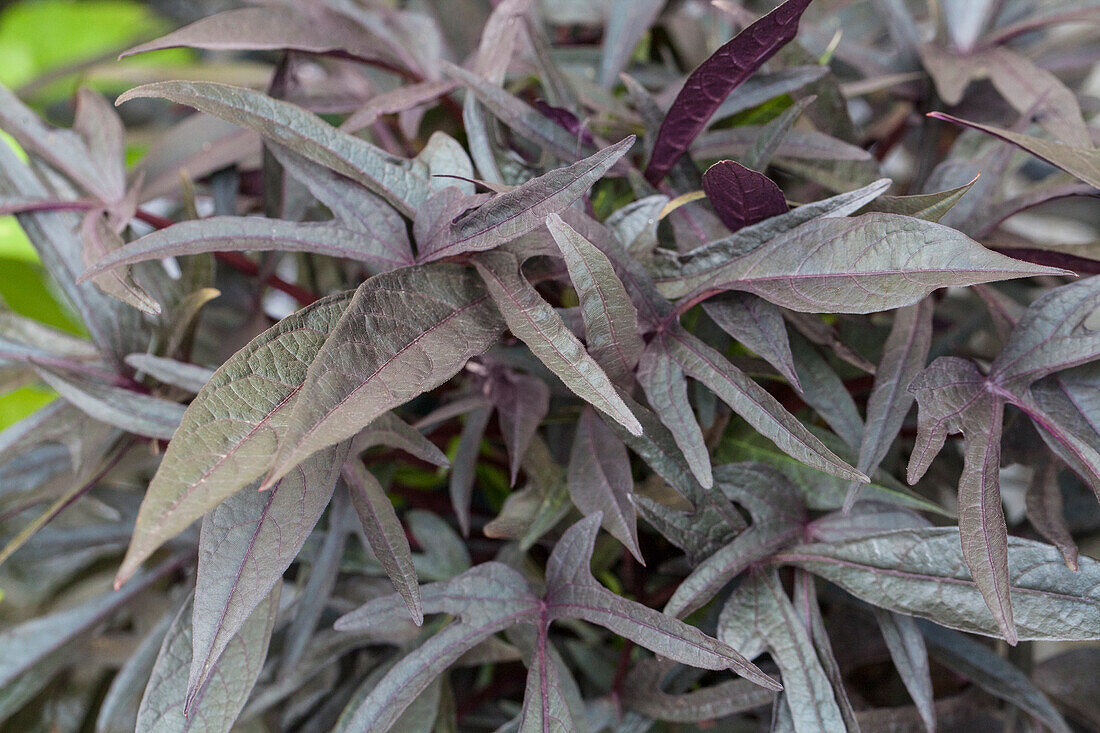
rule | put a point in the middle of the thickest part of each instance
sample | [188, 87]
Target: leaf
[927, 206]
[903, 358]
[758, 326]
[100, 238]
[132, 411]
[627, 23]
[487, 599]
[392, 431]
[215, 707]
[25, 644]
[517, 115]
[545, 709]
[66, 150]
[1084, 163]
[1044, 511]
[610, 319]
[760, 604]
[267, 29]
[1035, 91]
[522, 210]
[301, 131]
[99, 126]
[991, 672]
[385, 534]
[906, 645]
[953, 398]
[190, 377]
[921, 572]
[246, 544]
[572, 592]
[759, 156]
[118, 712]
[464, 466]
[234, 233]
[600, 480]
[1062, 407]
[754, 545]
[230, 431]
[742, 196]
[643, 694]
[823, 390]
[711, 83]
[677, 275]
[404, 332]
[537, 324]
[522, 402]
[865, 264]
[665, 388]
[1052, 335]
[752, 402]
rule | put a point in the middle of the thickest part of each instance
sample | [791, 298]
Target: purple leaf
[246, 544]
[521, 402]
[384, 533]
[600, 480]
[464, 466]
[742, 196]
[709, 85]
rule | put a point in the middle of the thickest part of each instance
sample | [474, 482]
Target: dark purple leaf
[742, 196]
[709, 85]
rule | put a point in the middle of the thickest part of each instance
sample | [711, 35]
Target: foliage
[366, 361]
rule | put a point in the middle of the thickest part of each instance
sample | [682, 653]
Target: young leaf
[230, 430]
[216, 705]
[246, 544]
[385, 534]
[538, 325]
[301, 131]
[610, 319]
[600, 480]
[510, 215]
[405, 332]
[927, 206]
[921, 572]
[715, 78]
[742, 196]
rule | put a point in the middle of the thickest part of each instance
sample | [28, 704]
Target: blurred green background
[49, 48]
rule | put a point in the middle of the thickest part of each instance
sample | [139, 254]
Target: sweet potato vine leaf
[710, 84]
[742, 196]
[492, 597]
[538, 325]
[921, 572]
[230, 430]
[954, 396]
[403, 333]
